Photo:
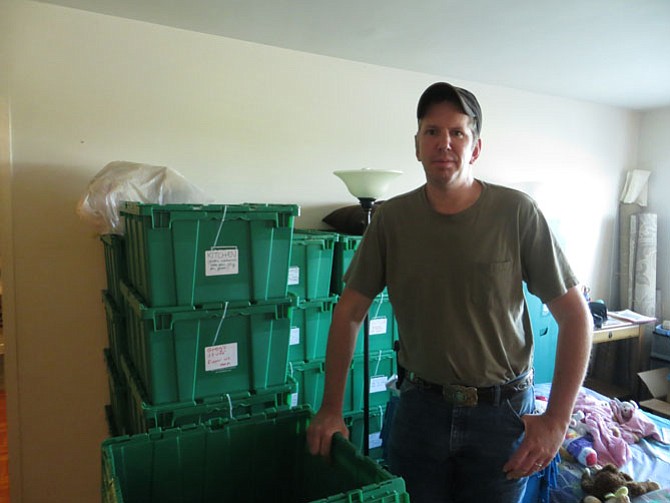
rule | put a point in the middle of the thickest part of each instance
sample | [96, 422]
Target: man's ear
[476, 151]
[416, 146]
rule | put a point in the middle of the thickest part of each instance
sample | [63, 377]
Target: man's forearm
[572, 355]
[339, 353]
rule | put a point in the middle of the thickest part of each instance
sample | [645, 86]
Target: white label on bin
[221, 261]
[375, 440]
[294, 275]
[378, 325]
[377, 384]
[294, 338]
[294, 399]
[223, 356]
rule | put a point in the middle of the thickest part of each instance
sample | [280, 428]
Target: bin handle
[218, 232]
[230, 406]
[379, 304]
[297, 384]
[218, 329]
[379, 359]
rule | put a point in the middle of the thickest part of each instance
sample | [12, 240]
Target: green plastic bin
[310, 378]
[259, 459]
[115, 263]
[116, 326]
[187, 353]
[383, 326]
[143, 416]
[111, 421]
[184, 254]
[311, 265]
[310, 324]
[382, 369]
[355, 423]
[345, 247]
[117, 412]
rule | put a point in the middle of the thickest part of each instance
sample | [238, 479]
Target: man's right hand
[321, 430]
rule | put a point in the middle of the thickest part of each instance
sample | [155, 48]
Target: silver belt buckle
[463, 396]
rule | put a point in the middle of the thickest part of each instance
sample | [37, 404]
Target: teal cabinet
[545, 335]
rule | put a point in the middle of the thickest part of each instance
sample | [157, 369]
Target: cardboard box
[658, 384]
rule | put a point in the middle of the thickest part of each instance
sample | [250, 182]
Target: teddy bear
[609, 485]
[620, 496]
[623, 411]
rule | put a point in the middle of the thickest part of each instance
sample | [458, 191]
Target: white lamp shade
[367, 183]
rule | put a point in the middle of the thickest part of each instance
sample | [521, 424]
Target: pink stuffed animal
[623, 411]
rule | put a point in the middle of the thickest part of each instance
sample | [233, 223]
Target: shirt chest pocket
[491, 283]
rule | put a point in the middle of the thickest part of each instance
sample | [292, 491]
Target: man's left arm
[544, 433]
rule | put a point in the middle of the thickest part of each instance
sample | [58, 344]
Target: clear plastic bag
[122, 181]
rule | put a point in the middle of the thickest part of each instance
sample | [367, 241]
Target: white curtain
[637, 264]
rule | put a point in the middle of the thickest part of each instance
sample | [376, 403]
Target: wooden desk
[618, 331]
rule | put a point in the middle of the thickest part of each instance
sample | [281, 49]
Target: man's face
[445, 145]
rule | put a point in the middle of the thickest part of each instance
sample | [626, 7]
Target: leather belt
[468, 396]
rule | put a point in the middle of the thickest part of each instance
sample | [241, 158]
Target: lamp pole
[366, 204]
[367, 185]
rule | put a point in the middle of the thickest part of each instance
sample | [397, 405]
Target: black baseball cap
[442, 91]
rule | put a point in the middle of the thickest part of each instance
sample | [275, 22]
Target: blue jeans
[452, 454]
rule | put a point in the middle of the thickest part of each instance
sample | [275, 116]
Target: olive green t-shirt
[455, 282]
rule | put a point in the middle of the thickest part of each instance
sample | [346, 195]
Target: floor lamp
[368, 185]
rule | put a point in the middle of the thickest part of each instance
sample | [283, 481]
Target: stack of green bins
[206, 312]
[309, 281]
[259, 459]
[307, 355]
[311, 269]
[115, 271]
[383, 332]
[199, 387]
[312, 256]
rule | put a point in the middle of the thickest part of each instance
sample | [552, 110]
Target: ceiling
[614, 52]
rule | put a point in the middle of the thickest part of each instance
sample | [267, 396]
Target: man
[453, 254]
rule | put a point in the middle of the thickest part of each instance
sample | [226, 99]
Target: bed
[649, 460]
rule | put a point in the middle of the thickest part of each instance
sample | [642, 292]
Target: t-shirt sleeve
[545, 267]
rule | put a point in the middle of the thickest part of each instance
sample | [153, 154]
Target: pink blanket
[613, 428]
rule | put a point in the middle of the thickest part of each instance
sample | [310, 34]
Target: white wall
[246, 122]
[655, 156]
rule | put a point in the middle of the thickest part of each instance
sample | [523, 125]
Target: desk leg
[637, 366]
